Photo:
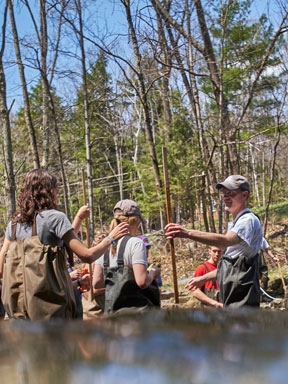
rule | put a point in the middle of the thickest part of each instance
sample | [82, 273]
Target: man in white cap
[237, 272]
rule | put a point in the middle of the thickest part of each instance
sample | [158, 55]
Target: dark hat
[128, 208]
[235, 182]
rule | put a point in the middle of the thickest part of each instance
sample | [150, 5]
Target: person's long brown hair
[37, 194]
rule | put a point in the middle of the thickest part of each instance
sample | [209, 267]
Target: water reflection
[163, 347]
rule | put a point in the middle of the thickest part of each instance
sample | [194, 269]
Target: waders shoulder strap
[120, 254]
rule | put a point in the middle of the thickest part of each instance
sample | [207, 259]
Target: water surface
[161, 346]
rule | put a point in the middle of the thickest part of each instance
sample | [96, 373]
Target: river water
[155, 347]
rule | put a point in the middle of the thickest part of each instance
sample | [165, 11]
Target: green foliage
[240, 45]
[121, 155]
[278, 211]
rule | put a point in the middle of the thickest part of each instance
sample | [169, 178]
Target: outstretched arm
[88, 255]
[206, 300]
[199, 281]
[173, 230]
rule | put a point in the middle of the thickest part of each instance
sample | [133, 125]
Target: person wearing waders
[237, 271]
[122, 270]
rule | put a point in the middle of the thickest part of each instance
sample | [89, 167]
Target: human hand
[175, 230]
[83, 212]
[119, 231]
[75, 274]
[155, 272]
[85, 282]
[195, 282]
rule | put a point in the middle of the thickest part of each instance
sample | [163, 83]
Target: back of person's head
[37, 194]
[126, 211]
[128, 208]
[131, 220]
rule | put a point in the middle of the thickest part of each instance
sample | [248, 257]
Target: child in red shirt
[208, 295]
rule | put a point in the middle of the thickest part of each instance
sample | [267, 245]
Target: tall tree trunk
[142, 93]
[27, 110]
[5, 128]
[224, 119]
[53, 114]
[86, 120]
[231, 162]
[49, 114]
[272, 173]
[190, 84]
[166, 61]
[45, 87]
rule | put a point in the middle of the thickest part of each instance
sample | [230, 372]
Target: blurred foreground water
[156, 347]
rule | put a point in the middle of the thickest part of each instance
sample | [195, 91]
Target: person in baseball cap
[237, 271]
[234, 182]
[128, 208]
[122, 271]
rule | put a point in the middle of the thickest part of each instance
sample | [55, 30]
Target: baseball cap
[235, 182]
[145, 240]
[128, 208]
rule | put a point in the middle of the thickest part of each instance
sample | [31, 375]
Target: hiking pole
[284, 285]
[87, 232]
[169, 220]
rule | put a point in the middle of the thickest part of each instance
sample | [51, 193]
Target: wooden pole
[87, 232]
[284, 286]
[169, 220]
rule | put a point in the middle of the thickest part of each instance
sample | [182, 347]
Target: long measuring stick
[169, 220]
[87, 231]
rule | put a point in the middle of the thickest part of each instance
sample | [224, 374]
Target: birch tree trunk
[27, 110]
[43, 43]
[5, 128]
[49, 111]
[86, 120]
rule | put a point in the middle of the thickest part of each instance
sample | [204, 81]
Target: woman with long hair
[37, 202]
[39, 197]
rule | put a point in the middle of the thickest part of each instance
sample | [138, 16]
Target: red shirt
[202, 270]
